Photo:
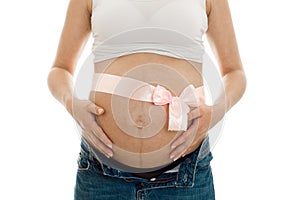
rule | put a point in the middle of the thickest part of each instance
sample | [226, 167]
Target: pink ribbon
[139, 90]
[178, 106]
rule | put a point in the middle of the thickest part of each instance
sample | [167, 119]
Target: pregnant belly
[139, 129]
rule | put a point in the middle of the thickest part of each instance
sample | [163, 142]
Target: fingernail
[173, 147]
[175, 159]
[100, 110]
[110, 146]
[108, 155]
[172, 156]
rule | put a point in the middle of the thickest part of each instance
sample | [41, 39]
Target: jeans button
[152, 179]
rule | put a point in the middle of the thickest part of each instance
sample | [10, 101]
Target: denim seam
[186, 172]
[156, 187]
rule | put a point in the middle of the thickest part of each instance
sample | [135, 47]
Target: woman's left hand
[189, 140]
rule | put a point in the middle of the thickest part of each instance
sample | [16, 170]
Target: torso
[138, 65]
[182, 73]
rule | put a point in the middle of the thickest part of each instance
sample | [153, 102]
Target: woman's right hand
[84, 112]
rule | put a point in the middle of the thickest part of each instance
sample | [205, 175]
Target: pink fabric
[159, 95]
[178, 106]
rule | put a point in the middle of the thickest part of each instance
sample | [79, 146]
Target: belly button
[141, 122]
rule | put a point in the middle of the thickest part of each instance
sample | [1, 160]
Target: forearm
[234, 87]
[60, 83]
[234, 84]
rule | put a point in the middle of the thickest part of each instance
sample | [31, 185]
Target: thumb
[93, 108]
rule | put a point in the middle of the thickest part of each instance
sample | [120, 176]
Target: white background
[257, 156]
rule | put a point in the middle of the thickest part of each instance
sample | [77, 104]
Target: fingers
[182, 143]
[92, 132]
[178, 152]
[181, 139]
[97, 133]
[193, 114]
[101, 135]
[186, 135]
[94, 140]
[93, 108]
[97, 129]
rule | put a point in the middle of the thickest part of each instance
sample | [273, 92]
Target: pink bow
[178, 106]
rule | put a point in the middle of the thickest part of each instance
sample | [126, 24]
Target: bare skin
[222, 39]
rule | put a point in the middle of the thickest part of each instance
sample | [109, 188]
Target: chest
[112, 17]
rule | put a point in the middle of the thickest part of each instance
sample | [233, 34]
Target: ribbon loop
[178, 106]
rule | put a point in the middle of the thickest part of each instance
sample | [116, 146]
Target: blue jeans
[193, 181]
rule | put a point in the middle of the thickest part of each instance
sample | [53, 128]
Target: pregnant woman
[145, 124]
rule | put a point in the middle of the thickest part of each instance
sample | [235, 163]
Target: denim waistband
[184, 177]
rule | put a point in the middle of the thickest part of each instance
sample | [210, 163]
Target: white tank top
[168, 27]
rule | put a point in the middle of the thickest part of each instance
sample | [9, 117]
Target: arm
[221, 37]
[74, 36]
[222, 40]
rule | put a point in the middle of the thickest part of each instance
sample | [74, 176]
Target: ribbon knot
[178, 106]
[161, 96]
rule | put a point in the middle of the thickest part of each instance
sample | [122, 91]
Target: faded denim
[193, 181]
